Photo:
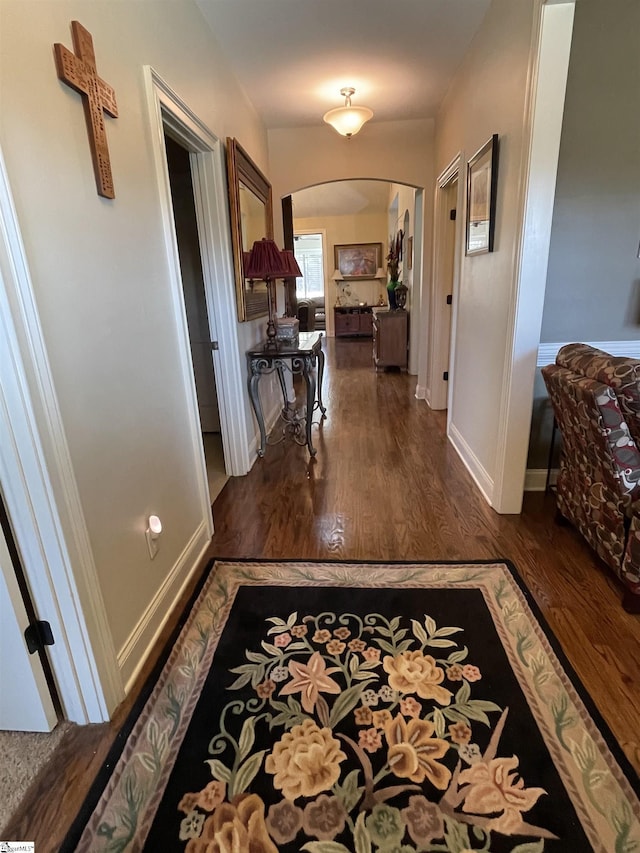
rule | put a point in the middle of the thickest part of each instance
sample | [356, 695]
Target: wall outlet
[152, 535]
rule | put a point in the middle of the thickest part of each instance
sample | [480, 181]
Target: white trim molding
[445, 280]
[630, 349]
[472, 463]
[548, 71]
[41, 494]
[167, 109]
[142, 639]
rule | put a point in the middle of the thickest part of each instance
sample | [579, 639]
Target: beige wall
[400, 152]
[359, 228]
[100, 273]
[488, 96]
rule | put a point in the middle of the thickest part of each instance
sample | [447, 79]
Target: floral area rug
[343, 708]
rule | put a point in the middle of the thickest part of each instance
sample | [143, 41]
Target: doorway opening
[444, 289]
[171, 116]
[308, 248]
[197, 315]
[352, 212]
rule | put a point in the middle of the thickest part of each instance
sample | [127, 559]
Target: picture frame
[482, 184]
[357, 261]
[410, 253]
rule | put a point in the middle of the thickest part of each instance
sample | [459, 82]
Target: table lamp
[267, 263]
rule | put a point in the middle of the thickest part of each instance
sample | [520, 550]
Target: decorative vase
[391, 295]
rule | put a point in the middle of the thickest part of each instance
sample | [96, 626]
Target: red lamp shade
[292, 264]
[266, 262]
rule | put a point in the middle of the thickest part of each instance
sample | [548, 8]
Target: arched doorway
[362, 211]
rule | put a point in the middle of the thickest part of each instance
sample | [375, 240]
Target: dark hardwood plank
[387, 485]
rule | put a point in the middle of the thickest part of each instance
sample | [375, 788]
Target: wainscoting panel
[547, 352]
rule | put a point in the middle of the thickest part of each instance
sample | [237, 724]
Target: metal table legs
[308, 366]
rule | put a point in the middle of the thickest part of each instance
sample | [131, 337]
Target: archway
[370, 211]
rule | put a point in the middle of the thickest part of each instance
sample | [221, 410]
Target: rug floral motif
[341, 729]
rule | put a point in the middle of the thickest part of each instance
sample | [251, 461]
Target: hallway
[387, 485]
[384, 484]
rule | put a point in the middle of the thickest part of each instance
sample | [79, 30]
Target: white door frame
[42, 498]
[441, 353]
[549, 66]
[168, 110]
[26, 704]
[417, 318]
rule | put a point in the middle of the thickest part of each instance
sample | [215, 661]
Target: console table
[303, 357]
[352, 321]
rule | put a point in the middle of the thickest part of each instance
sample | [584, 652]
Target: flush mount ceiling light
[348, 120]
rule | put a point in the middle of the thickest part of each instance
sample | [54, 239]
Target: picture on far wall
[357, 260]
[482, 182]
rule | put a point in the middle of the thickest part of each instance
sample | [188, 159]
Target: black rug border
[74, 834]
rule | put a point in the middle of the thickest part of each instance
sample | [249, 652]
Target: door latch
[38, 635]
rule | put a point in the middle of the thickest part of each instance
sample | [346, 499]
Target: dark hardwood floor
[386, 484]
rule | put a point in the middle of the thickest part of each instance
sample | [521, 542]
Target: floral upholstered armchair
[596, 402]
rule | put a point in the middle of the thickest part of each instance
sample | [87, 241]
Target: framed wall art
[357, 260]
[482, 182]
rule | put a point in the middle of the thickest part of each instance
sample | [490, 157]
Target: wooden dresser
[390, 338]
[352, 321]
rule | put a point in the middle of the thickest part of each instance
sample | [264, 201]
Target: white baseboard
[472, 464]
[421, 392]
[536, 479]
[136, 649]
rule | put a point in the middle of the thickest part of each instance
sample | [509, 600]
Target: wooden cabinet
[390, 338]
[352, 321]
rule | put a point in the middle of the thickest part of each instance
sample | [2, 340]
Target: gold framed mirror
[251, 211]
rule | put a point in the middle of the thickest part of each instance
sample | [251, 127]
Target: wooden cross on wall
[78, 70]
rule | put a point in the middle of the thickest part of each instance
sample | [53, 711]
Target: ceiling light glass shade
[348, 120]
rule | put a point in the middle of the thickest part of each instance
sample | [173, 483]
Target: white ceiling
[341, 198]
[293, 56]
